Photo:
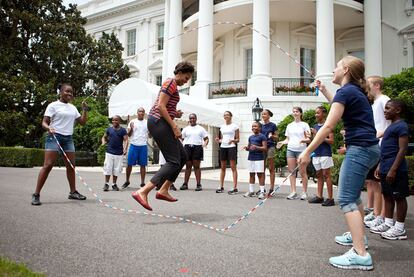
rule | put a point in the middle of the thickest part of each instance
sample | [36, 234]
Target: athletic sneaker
[115, 187]
[172, 187]
[106, 187]
[394, 234]
[380, 228]
[292, 196]
[220, 190]
[316, 200]
[346, 239]
[368, 210]
[261, 196]
[328, 202]
[258, 192]
[304, 196]
[233, 191]
[76, 196]
[249, 194]
[351, 260]
[36, 199]
[142, 185]
[374, 223]
[184, 186]
[369, 216]
[198, 187]
[125, 185]
[272, 192]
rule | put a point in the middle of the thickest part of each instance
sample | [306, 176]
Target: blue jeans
[65, 141]
[354, 169]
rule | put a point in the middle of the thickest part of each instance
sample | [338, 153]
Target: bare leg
[107, 177]
[222, 172]
[114, 179]
[188, 166]
[370, 194]
[291, 166]
[389, 206]
[304, 177]
[355, 223]
[128, 172]
[234, 171]
[70, 172]
[319, 175]
[50, 158]
[376, 190]
[401, 209]
[272, 173]
[197, 171]
[328, 180]
[261, 177]
[251, 178]
[142, 171]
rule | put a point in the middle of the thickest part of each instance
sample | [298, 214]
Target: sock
[389, 222]
[251, 187]
[262, 189]
[107, 183]
[114, 184]
[399, 225]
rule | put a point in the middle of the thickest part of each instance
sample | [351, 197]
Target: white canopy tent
[133, 93]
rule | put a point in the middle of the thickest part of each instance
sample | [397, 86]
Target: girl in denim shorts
[59, 120]
[350, 104]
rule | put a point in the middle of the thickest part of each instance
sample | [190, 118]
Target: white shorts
[322, 162]
[113, 164]
[256, 166]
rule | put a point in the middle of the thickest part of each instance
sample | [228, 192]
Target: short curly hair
[184, 67]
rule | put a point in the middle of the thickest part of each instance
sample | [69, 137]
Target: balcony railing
[293, 86]
[185, 90]
[235, 88]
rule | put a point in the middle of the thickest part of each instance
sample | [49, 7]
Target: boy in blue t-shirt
[322, 161]
[117, 139]
[257, 147]
[393, 172]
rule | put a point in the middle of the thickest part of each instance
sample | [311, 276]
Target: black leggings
[172, 149]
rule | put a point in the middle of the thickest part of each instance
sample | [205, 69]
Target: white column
[325, 41]
[261, 81]
[166, 35]
[372, 37]
[175, 29]
[204, 50]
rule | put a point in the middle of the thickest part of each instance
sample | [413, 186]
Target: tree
[43, 43]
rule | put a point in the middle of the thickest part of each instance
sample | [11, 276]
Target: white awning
[133, 93]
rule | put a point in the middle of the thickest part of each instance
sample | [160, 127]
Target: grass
[11, 269]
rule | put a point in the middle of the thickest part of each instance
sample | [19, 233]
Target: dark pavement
[82, 238]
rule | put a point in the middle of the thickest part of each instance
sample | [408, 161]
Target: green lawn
[11, 269]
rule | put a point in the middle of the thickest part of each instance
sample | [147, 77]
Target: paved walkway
[82, 238]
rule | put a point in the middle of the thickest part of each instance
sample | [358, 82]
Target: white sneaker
[374, 223]
[369, 216]
[394, 234]
[261, 195]
[249, 194]
[292, 196]
[304, 196]
[379, 229]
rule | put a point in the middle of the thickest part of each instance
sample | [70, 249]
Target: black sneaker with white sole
[233, 191]
[115, 187]
[36, 199]
[106, 187]
[76, 196]
[125, 185]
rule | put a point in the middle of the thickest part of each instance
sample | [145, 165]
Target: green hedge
[339, 158]
[29, 157]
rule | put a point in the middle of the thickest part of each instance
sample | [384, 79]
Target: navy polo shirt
[390, 147]
[266, 130]
[324, 149]
[256, 155]
[115, 140]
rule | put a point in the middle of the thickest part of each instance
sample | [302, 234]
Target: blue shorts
[354, 169]
[65, 141]
[138, 155]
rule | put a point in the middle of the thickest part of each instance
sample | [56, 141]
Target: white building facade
[248, 49]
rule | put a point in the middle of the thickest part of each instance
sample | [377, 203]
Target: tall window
[131, 42]
[158, 80]
[249, 62]
[307, 59]
[160, 36]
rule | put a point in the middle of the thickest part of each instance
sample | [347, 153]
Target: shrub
[339, 158]
[20, 157]
[30, 157]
